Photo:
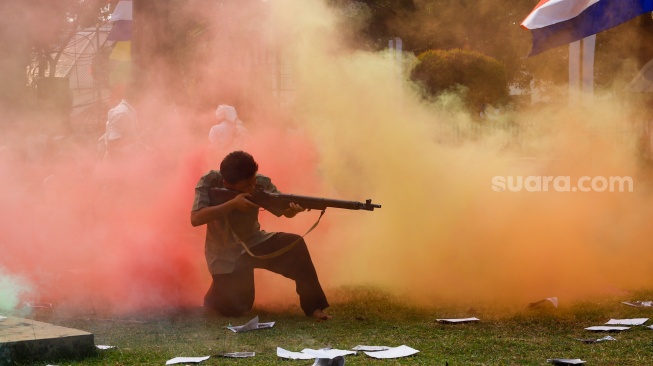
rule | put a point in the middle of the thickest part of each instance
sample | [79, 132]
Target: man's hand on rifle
[241, 203]
[293, 209]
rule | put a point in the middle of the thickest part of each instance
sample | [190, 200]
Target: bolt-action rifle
[277, 203]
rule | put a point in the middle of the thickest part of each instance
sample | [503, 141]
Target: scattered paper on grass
[396, 352]
[566, 361]
[370, 348]
[100, 346]
[597, 340]
[187, 359]
[251, 325]
[543, 303]
[238, 354]
[309, 354]
[602, 328]
[633, 321]
[639, 304]
[460, 320]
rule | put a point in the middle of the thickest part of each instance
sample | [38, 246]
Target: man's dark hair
[237, 166]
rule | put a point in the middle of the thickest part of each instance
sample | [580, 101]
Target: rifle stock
[277, 203]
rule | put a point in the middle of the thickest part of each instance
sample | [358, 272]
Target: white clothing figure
[230, 133]
[121, 136]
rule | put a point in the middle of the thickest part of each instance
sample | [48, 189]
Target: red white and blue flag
[557, 22]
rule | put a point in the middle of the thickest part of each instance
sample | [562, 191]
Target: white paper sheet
[238, 354]
[186, 359]
[554, 300]
[396, 352]
[633, 321]
[309, 354]
[597, 340]
[639, 304]
[100, 346]
[293, 355]
[370, 348]
[460, 320]
[566, 361]
[602, 328]
[251, 325]
[327, 353]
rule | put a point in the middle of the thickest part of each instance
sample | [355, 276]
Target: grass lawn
[365, 316]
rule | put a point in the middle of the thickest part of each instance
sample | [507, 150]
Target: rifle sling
[282, 250]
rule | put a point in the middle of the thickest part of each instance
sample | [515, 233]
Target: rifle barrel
[320, 203]
[278, 202]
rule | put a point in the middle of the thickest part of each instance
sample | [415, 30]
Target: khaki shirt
[221, 247]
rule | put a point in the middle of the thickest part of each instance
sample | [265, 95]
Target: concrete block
[25, 340]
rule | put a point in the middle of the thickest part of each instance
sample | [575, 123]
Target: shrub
[483, 77]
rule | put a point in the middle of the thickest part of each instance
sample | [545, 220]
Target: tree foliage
[54, 23]
[38, 30]
[483, 78]
[371, 21]
[487, 26]
[493, 28]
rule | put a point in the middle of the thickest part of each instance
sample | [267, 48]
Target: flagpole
[575, 58]
[587, 75]
[581, 69]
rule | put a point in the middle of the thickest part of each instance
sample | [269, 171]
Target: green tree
[60, 21]
[371, 23]
[493, 28]
[38, 30]
[483, 78]
[487, 26]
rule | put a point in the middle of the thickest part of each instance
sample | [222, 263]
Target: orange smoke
[117, 236]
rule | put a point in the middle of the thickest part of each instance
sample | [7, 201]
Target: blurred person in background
[229, 133]
[122, 132]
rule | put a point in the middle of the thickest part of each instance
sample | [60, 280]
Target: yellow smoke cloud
[443, 232]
